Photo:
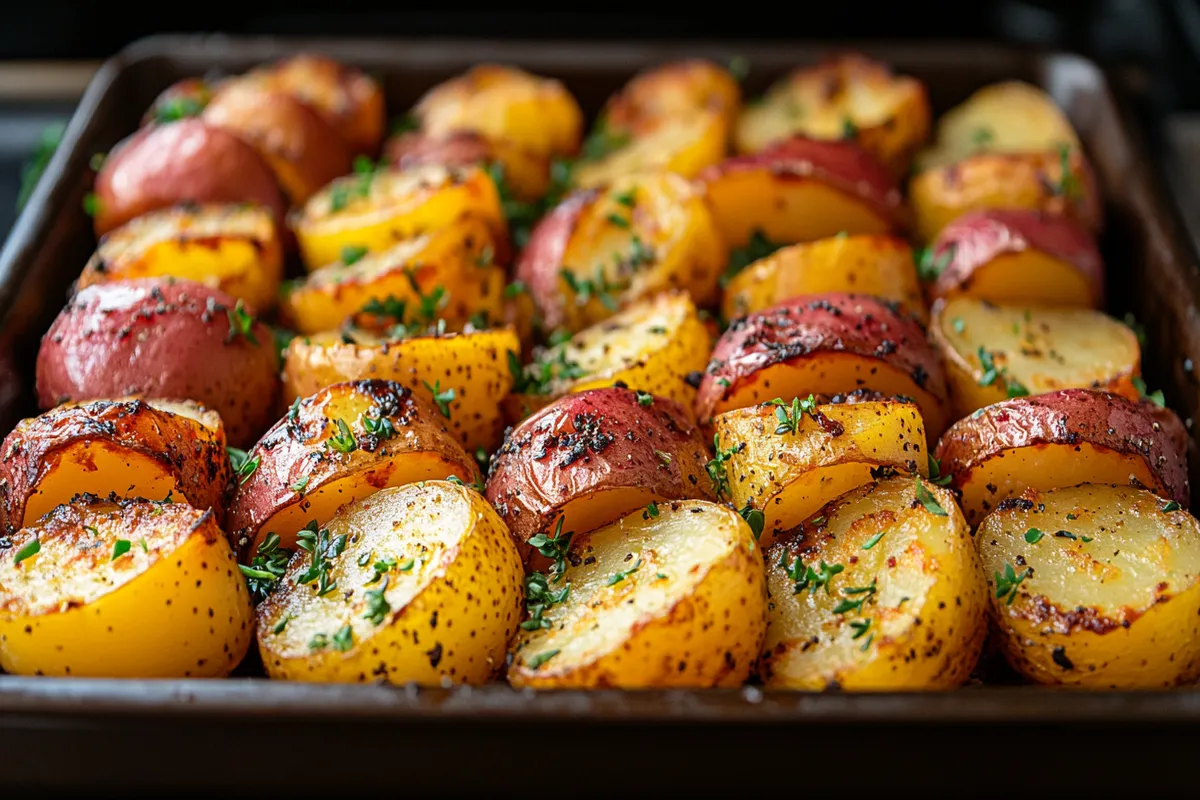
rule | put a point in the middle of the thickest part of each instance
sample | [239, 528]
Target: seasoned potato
[1095, 586]
[877, 265]
[995, 352]
[415, 584]
[162, 337]
[1059, 439]
[674, 89]
[467, 371]
[829, 343]
[789, 459]
[589, 458]
[122, 589]
[683, 143]
[667, 598]
[1018, 257]
[849, 96]
[601, 248]
[234, 248]
[374, 210]
[882, 591]
[525, 173]
[505, 104]
[134, 447]
[446, 273]
[185, 98]
[800, 190]
[345, 442]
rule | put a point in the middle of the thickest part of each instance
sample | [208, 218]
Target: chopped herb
[323, 550]
[652, 510]
[1065, 535]
[1170, 506]
[343, 439]
[377, 604]
[716, 467]
[319, 641]
[31, 172]
[515, 288]
[243, 465]
[602, 141]
[1068, 182]
[343, 640]
[1085, 539]
[1006, 584]
[283, 337]
[757, 248]
[958, 325]
[388, 307]
[269, 564]
[930, 264]
[805, 577]
[754, 518]
[1033, 535]
[539, 598]
[279, 626]
[555, 547]
[790, 422]
[665, 458]
[926, 498]
[294, 410]
[405, 123]
[30, 549]
[597, 287]
[627, 198]
[849, 129]
[241, 323]
[352, 254]
[860, 627]
[145, 547]
[538, 377]
[617, 577]
[618, 220]
[383, 566]
[1155, 397]
[521, 215]
[981, 137]
[1014, 388]
[299, 486]
[661, 576]
[120, 548]
[91, 204]
[442, 398]
[645, 398]
[935, 472]
[992, 373]
[380, 427]
[867, 644]
[874, 540]
[541, 658]
[558, 336]
[406, 565]
[858, 595]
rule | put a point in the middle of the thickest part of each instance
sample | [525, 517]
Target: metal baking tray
[148, 735]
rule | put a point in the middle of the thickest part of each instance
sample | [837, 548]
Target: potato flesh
[922, 627]
[1118, 609]
[1029, 277]
[684, 144]
[99, 467]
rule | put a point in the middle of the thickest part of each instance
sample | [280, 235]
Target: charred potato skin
[158, 337]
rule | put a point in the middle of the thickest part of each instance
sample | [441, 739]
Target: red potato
[1018, 257]
[592, 457]
[830, 343]
[1057, 440]
[185, 98]
[167, 338]
[187, 161]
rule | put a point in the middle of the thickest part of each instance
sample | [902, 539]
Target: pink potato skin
[161, 338]
[589, 442]
[980, 236]
[187, 161]
[459, 149]
[833, 321]
[1069, 417]
[539, 264]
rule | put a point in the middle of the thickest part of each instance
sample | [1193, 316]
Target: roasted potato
[415, 584]
[505, 104]
[592, 457]
[343, 443]
[788, 459]
[877, 265]
[669, 597]
[684, 144]
[135, 448]
[187, 161]
[374, 210]
[524, 172]
[881, 591]
[462, 374]
[185, 98]
[1095, 586]
[600, 248]
[122, 589]
[674, 89]
[162, 337]
[995, 352]
[830, 343]
[1017, 257]
[234, 248]
[1060, 439]
[846, 97]
[800, 190]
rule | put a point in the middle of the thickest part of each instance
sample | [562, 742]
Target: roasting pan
[257, 737]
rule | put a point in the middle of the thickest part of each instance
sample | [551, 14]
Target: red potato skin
[539, 263]
[161, 338]
[976, 238]
[1068, 417]
[414, 148]
[834, 321]
[589, 442]
[188, 161]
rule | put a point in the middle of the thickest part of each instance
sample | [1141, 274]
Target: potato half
[789, 460]
[343, 443]
[525, 173]
[1095, 586]
[882, 591]
[127, 589]
[673, 89]
[133, 447]
[415, 584]
[684, 144]
[669, 598]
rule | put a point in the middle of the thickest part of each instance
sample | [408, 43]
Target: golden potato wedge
[467, 372]
[134, 447]
[525, 173]
[882, 591]
[343, 443]
[122, 589]
[995, 352]
[877, 265]
[443, 274]
[1060, 439]
[234, 248]
[675, 89]
[415, 584]
[849, 96]
[788, 459]
[600, 248]
[684, 144]
[505, 104]
[374, 209]
[1095, 587]
[672, 597]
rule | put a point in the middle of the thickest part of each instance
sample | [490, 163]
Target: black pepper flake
[1060, 658]
[435, 655]
[693, 379]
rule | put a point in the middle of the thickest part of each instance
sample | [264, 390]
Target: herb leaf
[926, 498]
[241, 323]
[1007, 583]
[443, 398]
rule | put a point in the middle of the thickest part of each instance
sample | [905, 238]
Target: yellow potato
[683, 144]
[1095, 586]
[133, 589]
[882, 591]
[672, 597]
[673, 89]
[419, 583]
